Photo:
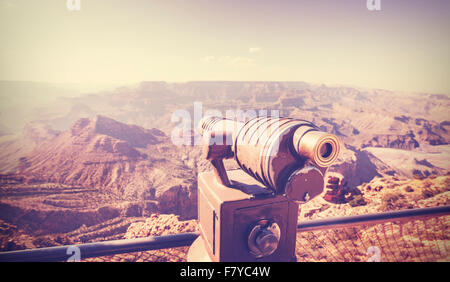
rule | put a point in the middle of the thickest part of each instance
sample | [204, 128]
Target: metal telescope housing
[250, 214]
[275, 151]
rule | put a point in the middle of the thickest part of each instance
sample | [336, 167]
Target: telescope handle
[216, 150]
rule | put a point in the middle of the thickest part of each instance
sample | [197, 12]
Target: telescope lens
[326, 150]
[320, 147]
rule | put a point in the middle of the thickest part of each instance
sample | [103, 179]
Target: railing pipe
[350, 221]
[97, 249]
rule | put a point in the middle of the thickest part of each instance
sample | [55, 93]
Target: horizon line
[122, 84]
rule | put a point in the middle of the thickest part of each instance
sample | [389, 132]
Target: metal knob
[304, 184]
[266, 242]
[264, 238]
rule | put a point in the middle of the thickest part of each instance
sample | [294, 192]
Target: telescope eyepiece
[325, 150]
[320, 147]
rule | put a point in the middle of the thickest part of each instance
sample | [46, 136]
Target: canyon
[90, 167]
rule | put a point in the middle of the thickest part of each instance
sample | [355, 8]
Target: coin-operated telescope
[250, 214]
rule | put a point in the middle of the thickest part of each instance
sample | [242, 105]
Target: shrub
[409, 189]
[394, 201]
[358, 200]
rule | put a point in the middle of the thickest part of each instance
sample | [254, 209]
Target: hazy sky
[404, 46]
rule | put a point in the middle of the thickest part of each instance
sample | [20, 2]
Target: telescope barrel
[207, 125]
[320, 147]
[275, 150]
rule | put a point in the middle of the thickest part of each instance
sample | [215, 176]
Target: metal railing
[409, 235]
[98, 249]
[316, 244]
[376, 218]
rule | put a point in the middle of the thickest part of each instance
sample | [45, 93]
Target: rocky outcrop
[38, 221]
[126, 160]
[180, 200]
[356, 166]
[335, 190]
[160, 224]
[406, 141]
